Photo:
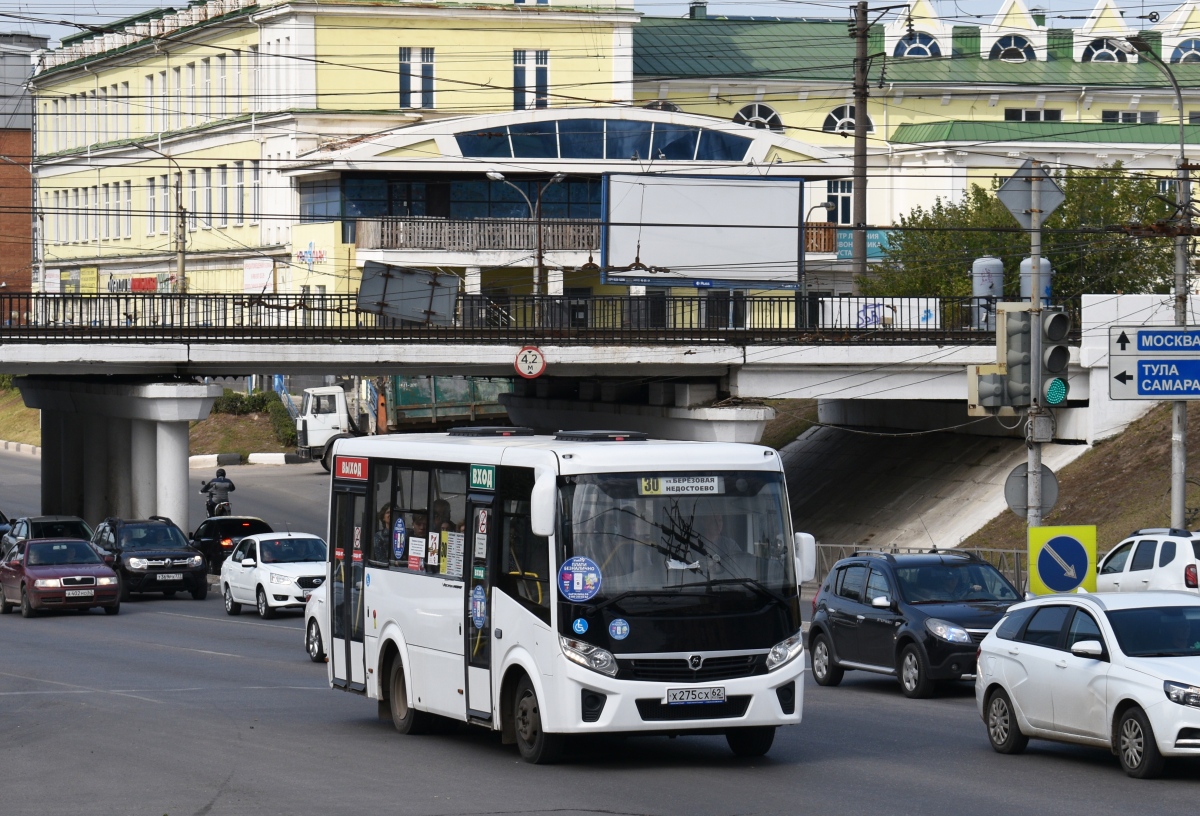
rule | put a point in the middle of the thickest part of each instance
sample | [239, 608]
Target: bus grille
[678, 671]
[654, 710]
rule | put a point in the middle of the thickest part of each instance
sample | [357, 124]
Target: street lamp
[535, 212]
[39, 240]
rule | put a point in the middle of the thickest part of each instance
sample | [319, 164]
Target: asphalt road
[173, 708]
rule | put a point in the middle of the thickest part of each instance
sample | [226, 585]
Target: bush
[260, 402]
[281, 421]
[6, 382]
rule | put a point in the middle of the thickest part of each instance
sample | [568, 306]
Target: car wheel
[326, 461]
[535, 745]
[914, 673]
[1137, 747]
[27, 610]
[113, 609]
[232, 607]
[825, 671]
[750, 742]
[405, 719]
[265, 610]
[5, 607]
[312, 642]
[1003, 731]
[201, 590]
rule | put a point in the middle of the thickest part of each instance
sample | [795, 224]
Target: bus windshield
[713, 543]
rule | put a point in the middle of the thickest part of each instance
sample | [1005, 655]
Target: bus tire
[750, 742]
[405, 719]
[536, 746]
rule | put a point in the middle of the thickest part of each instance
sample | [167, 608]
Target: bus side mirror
[541, 503]
[806, 557]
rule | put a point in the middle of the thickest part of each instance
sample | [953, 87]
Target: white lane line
[78, 687]
[130, 692]
[225, 620]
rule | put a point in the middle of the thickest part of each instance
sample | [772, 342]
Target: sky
[1061, 13]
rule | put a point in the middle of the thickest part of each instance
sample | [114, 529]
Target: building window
[540, 91]
[206, 90]
[237, 83]
[151, 210]
[128, 231]
[1031, 115]
[126, 113]
[206, 210]
[223, 195]
[1186, 51]
[222, 86]
[1129, 117]
[840, 193]
[102, 115]
[164, 215]
[759, 116]
[1013, 48]
[320, 201]
[841, 120]
[239, 195]
[114, 212]
[917, 44]
[1102, 50]
[255, 190]
[416, 78]
[193, 200]
[94, 212]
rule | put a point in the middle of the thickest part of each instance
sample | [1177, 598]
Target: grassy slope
[18, 423]
[792, 418]
[1120, 485]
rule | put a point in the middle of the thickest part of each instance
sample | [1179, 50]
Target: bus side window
[524, 573]
[385, 513]
[411, 500]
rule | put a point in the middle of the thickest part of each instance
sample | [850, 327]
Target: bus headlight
[785, 651]
[589, 656]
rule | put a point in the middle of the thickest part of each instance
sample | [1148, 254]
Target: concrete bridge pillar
[116, 448]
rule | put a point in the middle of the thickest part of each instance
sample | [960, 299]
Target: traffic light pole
[858, 246]
[1033, 513]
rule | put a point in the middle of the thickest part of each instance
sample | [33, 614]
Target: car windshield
[151, 537]
[67, 528]
[954, 583]
[55, 553]
[1157, 631]
[291, 550]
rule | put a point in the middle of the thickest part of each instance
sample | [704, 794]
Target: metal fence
[717, 317]
[1012, 564]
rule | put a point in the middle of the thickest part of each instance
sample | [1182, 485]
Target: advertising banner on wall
[257, 275]
[51, 282]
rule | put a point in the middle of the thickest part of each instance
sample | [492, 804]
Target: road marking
[1068, 569]
[79, 689]
[131, 692]
[224, 620]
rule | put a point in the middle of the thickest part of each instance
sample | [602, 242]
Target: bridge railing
[715, 316]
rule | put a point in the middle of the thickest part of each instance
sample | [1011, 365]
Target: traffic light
[985, 391]
[1055, 326]
[1017, 358]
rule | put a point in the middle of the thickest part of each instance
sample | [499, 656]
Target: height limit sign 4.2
[1154, 362]
[530, 362]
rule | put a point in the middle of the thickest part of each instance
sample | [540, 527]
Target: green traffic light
[1056, 391]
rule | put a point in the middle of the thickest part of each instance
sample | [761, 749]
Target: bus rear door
[346, 652]
[483, 536]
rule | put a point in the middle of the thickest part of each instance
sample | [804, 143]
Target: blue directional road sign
[1062, 559]
[1154, 363]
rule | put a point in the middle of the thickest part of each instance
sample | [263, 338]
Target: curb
[276, 459]
[20, 447]
[212, 460]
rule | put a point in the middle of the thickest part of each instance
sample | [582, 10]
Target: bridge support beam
[116, 448]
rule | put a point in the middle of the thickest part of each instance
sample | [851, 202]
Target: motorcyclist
[217, 490]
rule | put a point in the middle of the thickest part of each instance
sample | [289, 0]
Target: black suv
[216, 537]
[917, 617]
[152, 555]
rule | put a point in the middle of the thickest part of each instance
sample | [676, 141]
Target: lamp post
[535, 212]
[39, 221]
[1138, 45]
[181, 225]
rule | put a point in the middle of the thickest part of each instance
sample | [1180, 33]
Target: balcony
[480, 235]
[820, 236]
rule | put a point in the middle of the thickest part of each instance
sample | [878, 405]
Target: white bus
[587, 582]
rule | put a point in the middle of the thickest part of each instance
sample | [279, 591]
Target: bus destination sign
[679, 485]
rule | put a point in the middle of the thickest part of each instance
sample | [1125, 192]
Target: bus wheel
[405, 719]
[750, 742]
[536, 745]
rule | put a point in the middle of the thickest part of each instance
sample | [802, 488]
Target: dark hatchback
[152, 555]
[216, 537]
[919, 618]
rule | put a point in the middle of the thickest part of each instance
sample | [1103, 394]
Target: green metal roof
[814, 50]
[1088, 132]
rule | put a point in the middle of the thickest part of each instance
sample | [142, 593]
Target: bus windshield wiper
[753, 583]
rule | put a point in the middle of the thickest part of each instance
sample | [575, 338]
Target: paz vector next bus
[588, 582]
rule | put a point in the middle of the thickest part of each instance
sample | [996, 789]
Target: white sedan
[1119, 671]
[315, 614]
[272, 571]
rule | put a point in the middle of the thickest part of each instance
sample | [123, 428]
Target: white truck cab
[324, 417]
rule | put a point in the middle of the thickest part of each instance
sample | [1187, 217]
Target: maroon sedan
[57, 573]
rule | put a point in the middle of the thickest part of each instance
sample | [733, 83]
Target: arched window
[841, 120]
[1103, 50]
[1013, 48]
[662, 105]
[917, 44]
[1186, 51]
[759, 116]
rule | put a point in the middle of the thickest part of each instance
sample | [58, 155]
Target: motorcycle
[221, 508]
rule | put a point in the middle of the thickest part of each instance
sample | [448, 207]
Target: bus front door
[346, 591]
[483, 536]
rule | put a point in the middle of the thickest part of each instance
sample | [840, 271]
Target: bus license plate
[80, 593]
[170, 576]
[684, 696]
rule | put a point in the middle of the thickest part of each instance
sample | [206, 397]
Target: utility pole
[180, 235]
[1037, 414]
[859, 235]
[1179, 407]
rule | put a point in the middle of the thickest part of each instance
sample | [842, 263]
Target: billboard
[402, 293]
[693, 229]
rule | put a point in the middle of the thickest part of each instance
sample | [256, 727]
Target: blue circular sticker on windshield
[579, 579]
[579, 626]
[479, 606]
[619, 629]
[398, 539]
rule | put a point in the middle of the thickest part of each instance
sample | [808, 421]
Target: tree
[932, 255]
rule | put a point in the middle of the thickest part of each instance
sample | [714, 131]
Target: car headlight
[102, 581]
[47, 583]
[1182, 693]
[196, 561]
[947, 631]
[276, 578]
[137, 563]
[589, 656]
[785, 651]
